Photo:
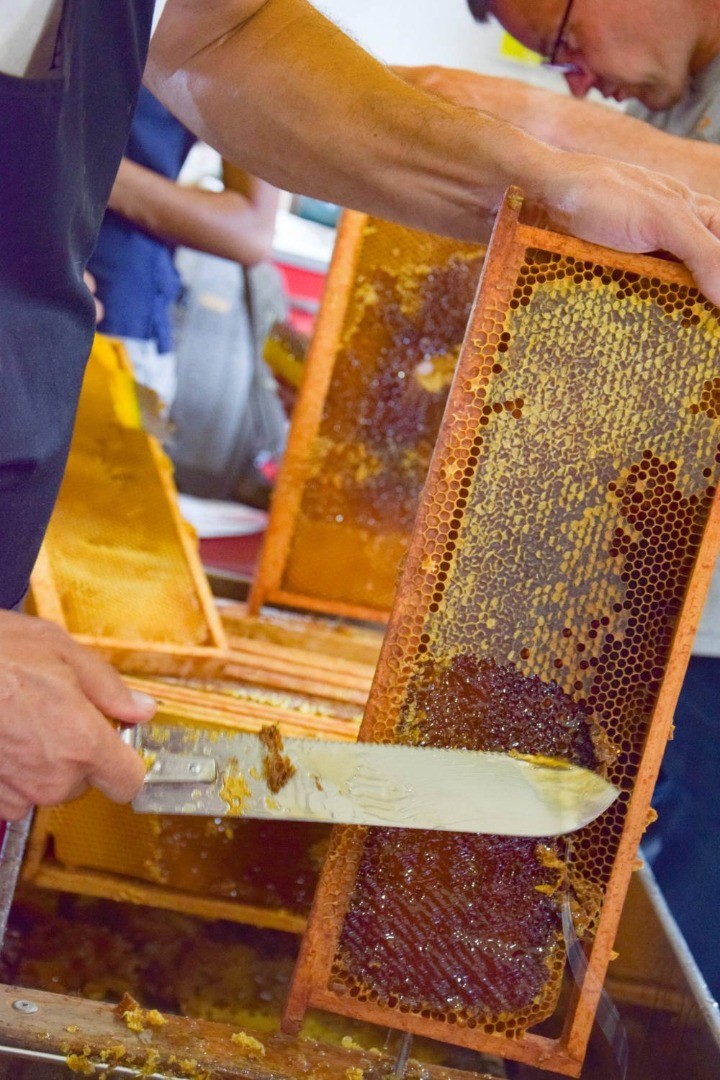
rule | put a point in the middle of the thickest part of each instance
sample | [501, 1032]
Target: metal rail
[100, 1067]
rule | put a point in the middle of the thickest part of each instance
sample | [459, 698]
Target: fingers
[116, 769]
[708, 210]
[706, 270]
[692, 234]
[55, 696]
[56, 762]
[703, 261]
[92, 286]
[105, 689]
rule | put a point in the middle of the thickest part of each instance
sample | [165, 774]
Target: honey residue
[78, 1063]
[277, 767]
[211, 970]
[137, 1018]
[249, 1045]
[235, 790]
[116, 1052]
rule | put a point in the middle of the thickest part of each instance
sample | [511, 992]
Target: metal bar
[708, 1007]
[403, 1054]
[11, 855]
[98, 1066]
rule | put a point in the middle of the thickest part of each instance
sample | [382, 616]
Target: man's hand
[55, 696]
[633, 209]
[92, 286]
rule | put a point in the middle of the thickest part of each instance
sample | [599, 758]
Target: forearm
[349, 130]
[573, 124]
[278, 89]
[221, 223]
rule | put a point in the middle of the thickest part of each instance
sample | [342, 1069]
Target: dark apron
[61, 141]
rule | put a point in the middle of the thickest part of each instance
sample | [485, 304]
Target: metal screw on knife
[182, 769]
[173, 768]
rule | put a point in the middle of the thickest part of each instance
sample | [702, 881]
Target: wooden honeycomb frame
[626, 293]
[381, 278]
[92, 1034]
[147, 495]
[108, 404]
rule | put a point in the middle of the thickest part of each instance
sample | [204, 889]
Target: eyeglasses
[552, 61]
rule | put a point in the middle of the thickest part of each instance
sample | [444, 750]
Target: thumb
[102, 685]
[708, 210]
[696, 243]
[119, 772]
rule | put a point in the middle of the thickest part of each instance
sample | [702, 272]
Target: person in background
[223, 404]
[278, 90]
[149, 215]
[664, 58]
[671, 122]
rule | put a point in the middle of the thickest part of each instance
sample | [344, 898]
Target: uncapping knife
[196, 771]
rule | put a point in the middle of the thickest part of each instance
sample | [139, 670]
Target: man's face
[623, 48]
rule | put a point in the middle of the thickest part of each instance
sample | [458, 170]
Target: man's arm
[277, 88]
[236, 223]
[573, 124]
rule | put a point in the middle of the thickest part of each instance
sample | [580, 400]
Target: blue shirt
[136, 277]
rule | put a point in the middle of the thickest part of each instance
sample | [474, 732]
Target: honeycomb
[361, 471]
[116, 557]
[269, 865]
[553, 552]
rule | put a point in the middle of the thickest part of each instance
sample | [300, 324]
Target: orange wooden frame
[312, 983]
[350, 285]
[266, 587]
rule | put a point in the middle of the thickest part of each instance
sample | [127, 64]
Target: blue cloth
[682, 847]
[62, 137]
[136, 277]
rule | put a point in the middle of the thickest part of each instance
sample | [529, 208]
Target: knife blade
[200, 772]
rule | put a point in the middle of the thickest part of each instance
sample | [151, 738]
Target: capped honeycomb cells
[463, 922]
[555, 545]
[113, 542]
[451, 926]
[408, 307]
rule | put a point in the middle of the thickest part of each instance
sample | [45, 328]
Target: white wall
[429, 32]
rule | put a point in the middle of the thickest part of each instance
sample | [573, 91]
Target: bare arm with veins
[278, 89]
